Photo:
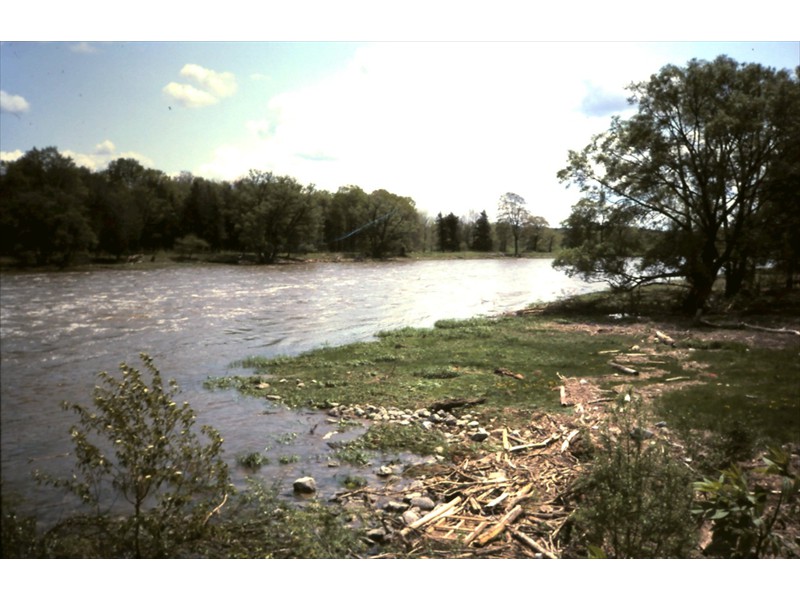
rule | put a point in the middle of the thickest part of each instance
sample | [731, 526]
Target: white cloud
[104, 153]
[11, 156]
[208, 86]
[11, 103]
[221, 85]
[105, 147]
[452, 125]
[188, 95]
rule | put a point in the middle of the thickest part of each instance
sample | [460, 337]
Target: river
[59, 329]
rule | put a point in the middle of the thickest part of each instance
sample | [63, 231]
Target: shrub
[635, 500]
[136, 442]
[743, 520]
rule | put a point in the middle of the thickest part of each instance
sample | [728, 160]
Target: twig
[216, 510]
[623, 369]
[531, 543]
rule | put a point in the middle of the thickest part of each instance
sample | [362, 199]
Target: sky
[452, 124]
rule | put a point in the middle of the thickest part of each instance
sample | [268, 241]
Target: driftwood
[507, 373]
[528, 541]
[434, 515]
[510, 502]
[743, 325]
[455, 403]
[509, 517]
[623, 368]
[664, 338]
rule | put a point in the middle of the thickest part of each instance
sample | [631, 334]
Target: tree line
[57, 213]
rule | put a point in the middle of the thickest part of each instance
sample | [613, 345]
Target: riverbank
[516, 410]
[163, 259]
[514, 415]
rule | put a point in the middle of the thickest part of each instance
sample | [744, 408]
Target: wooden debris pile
[506, 504]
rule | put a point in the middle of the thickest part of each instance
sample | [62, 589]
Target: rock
[473, 425]
[273, 397]
[305, 485]
[479, 436]
[661, 424]
[385, 471]
[639, 433]
[377, 535]
[393, 506]
[423, 503]
[411, 516]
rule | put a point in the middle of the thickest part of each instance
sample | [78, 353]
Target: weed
[354, 482]
[252, 460]
[743, 520]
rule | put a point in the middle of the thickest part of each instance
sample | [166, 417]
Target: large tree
[512, 210]
[482, 235]
[691, 164]
[274, 213]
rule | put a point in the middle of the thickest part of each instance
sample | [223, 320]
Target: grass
[456, 359]
[416, 368]
[754, 389]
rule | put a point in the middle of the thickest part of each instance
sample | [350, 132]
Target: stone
[423, 503]
[393, 506]
[305, 485]
[377, 535]
[479, 436]
[411, 516]
[385, 471]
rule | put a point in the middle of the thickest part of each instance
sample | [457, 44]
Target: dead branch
[498, 528]
[664, 338]
[623, 369]
[434, 515]
[507, 373]
[531, 543]
[216, 509]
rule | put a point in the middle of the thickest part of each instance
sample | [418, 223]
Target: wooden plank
[500, 526]
[435, 514]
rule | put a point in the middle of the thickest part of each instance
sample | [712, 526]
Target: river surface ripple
[58, 330]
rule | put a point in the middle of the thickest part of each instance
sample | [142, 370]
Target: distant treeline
[55, 212]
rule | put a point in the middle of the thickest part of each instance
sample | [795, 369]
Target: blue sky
[453, 125]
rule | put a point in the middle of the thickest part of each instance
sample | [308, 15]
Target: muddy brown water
[58, 330]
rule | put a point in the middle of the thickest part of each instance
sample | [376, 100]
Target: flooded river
[58, 330]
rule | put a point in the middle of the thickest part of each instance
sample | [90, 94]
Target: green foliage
[189, 245]
[699, 165]
[482, 234]
[259, 525]
[252, 460]
[19, 538]
[635, 500]
[137, 443]
[742, 516]
[747, 396]
[390, 437]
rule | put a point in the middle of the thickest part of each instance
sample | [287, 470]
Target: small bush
[635, 501]
[252, 460]
[742, 516]
[136, 444]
